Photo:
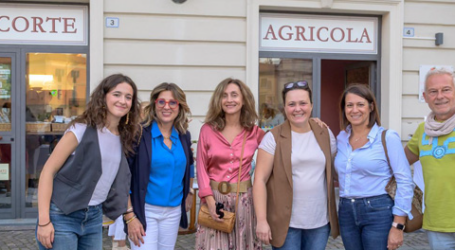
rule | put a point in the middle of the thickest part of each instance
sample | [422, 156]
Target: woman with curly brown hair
[87, 174]
[229, 124]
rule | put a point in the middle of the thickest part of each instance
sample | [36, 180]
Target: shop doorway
[41, 90]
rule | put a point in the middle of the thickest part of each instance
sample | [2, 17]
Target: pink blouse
[219, 160]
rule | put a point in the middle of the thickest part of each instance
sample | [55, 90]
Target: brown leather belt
[226, 187]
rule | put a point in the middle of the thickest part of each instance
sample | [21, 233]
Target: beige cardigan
[280, 186]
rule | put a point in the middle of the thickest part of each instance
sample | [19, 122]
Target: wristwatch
[398, 226]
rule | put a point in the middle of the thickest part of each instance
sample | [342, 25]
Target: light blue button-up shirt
[165, 186]
[365, 171]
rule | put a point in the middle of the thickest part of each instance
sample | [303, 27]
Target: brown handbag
[416, 210]
[227, 225]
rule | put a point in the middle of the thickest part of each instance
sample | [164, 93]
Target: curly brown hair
[181, 121]
[96, 111]
[216, 116]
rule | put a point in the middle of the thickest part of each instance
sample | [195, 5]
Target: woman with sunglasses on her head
[293, 184]
[229, 124]
[160, 172]
[87, 173]
[369, 218]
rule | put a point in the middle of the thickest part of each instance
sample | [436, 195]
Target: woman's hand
[45, 235]
[395, 239]
[263, 232]
[135, 232]
[189, 202]
[319, 122]
[212, 208]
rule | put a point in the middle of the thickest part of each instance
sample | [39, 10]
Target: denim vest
[76, 180]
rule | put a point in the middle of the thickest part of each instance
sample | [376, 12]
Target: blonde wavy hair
[216, 116]
[181, 121]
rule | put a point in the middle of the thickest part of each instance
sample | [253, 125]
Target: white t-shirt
[111, 151]
[309, 206]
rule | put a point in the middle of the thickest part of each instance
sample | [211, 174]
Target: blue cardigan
[140, 172]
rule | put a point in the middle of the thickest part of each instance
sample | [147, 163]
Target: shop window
[5, 94]
[56, 90]
[273, 74]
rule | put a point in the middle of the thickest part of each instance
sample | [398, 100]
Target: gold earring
[127, 118]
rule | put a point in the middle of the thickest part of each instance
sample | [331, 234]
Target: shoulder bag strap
[384, 145]
[240, 171]
[391, 185]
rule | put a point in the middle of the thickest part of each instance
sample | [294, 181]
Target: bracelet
[43, 225]
[191, 191]
[130, 220]
[130, 209]
[125, 219]
[127, 212]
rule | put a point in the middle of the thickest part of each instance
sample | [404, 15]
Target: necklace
[166, 137]
[358, 138]
[355, 140]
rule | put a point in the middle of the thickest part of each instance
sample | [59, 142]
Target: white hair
[439, 71]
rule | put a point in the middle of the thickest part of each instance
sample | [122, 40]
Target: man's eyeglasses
[160, 103]
[299, 84]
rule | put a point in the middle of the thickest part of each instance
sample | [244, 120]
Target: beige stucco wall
[427, 18]
[195, 45]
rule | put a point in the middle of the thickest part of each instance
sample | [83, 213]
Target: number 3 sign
[112, 22]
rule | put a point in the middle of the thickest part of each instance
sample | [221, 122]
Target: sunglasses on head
[160, 103]
[298, 84]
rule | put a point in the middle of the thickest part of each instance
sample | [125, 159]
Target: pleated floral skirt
[243, 237]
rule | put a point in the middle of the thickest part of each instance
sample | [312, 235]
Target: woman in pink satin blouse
[231, 117]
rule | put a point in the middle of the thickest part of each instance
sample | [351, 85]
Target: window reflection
[55, 93]
[273, 74]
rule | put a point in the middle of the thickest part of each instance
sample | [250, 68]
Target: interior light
[39, 81]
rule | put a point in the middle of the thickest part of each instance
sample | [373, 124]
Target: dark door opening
[336, 75]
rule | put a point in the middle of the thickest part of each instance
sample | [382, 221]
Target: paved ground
[21, 237]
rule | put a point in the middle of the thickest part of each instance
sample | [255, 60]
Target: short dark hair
[363, 91]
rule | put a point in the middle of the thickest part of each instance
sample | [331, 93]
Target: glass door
[8, 170]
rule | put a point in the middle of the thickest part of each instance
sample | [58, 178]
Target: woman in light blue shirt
[369, 218]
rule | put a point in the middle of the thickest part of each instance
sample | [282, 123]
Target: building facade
[52, 56]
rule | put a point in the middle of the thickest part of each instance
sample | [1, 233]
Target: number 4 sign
[408, 32]
[112, 22]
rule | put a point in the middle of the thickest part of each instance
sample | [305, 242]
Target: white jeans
[162, 228]
[116, 229]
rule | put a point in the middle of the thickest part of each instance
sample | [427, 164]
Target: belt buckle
[224, 187]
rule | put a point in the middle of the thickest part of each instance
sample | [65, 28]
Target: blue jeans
[80, 230]
[441, 240]
[365, 222]
[306, 239]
